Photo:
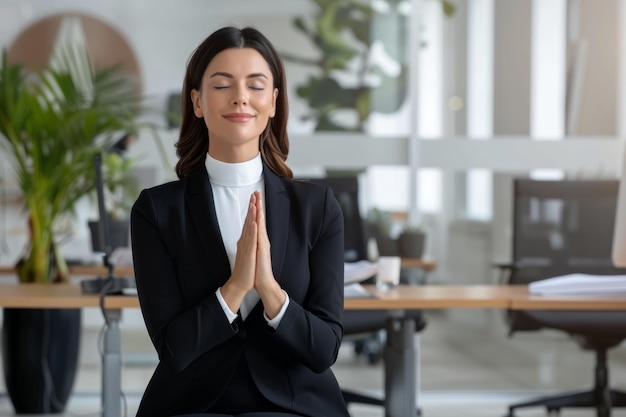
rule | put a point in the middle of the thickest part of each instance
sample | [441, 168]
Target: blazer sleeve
[180, 333]
[313, 330]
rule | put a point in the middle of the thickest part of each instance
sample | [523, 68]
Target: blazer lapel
[277, 218]
[201, 206]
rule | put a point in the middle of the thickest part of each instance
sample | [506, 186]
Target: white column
[547, 84]
[414, 74]
[480, 30]
[621, 97]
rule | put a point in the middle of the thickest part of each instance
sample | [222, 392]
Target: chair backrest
[346, 190]
[562, 227]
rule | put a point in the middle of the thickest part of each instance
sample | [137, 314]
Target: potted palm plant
[52, 123]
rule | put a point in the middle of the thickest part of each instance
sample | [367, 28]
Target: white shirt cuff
[273, 323]
[229, 314]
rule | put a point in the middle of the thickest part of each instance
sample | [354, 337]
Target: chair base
[588, 399]
[355, 397]
[371, 348]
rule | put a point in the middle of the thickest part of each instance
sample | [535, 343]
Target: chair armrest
[506, 269]
[505, 266]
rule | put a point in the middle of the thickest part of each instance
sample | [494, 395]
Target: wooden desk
[401, 298]
[58, 296]
[84, 270]
[525, 301]
[408, 297]
[425, 264]
[400, 347]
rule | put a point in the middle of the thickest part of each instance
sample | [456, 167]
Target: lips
[238, 117]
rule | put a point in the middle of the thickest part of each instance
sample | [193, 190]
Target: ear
[273, 111]
[195, 101]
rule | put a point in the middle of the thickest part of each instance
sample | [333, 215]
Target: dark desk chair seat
[563, 227]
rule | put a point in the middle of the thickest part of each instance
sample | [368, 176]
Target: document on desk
[582, 284]
[122, 256]
[356, 290]
[358, 271]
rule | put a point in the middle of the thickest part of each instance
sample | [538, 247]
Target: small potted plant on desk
[411, 242]
[379, 228]
[52, 123]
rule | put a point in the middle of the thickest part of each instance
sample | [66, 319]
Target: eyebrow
[228, 75]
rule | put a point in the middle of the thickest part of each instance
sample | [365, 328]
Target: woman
[239, 268]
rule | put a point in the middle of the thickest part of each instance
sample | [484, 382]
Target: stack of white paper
[359, 271]
[355, 290]
[122, 257]
[580, 284]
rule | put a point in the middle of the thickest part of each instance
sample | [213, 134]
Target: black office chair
[363, 327]
[562, 227]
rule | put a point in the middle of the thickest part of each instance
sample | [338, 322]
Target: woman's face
[236, 99]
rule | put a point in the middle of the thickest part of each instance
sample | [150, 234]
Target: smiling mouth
[238, 117]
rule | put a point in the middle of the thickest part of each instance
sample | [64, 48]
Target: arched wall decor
[106, 46]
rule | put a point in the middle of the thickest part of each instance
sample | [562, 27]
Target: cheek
[210, 107]
[268, 105]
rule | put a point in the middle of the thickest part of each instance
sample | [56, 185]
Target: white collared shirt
[233, 184]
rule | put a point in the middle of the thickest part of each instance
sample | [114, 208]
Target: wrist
[273, 299]
[233, 295]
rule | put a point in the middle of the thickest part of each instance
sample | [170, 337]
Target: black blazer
[180, 261]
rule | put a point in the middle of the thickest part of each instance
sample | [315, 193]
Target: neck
[233, 154]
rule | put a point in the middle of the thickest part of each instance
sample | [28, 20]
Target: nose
[241, 98]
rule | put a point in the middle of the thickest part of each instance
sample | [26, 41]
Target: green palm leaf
[52, 123]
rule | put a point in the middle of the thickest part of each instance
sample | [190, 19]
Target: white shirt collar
[239, 174]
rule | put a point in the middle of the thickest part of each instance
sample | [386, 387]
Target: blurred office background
[483, 91]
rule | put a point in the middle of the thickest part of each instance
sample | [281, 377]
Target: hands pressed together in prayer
[253, 264]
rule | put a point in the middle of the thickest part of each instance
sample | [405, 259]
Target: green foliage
[342, 31]
[381, 219]
[52, 123]
[121, 188]
[412, 228]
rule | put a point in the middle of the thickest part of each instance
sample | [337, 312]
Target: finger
[248, 240]
[262, 225]
[260, 214]
[251, 214]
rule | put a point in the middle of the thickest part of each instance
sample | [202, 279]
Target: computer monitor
[618, 254]
[346, 191]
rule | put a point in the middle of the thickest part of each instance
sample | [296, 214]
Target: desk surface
[402, 297]
[436, 296]
[84, 270]
[57, 296]
[76, 270]
[569, 302]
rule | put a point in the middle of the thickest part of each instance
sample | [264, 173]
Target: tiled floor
[470, 368]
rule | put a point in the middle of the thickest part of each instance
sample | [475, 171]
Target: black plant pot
[411, 244]
[118, 233]
[40, 357]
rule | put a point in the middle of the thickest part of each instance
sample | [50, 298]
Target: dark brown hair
[192, 144]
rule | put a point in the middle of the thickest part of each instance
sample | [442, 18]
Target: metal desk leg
[112, 366]
[400, 368]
